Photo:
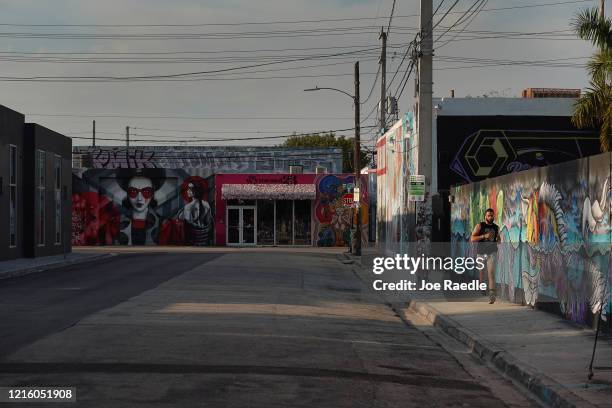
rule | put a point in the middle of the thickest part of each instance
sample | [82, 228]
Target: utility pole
[602, 13]
[383, 82]
[127, 136]
[357, 165]
[424, 119]
[93, 143]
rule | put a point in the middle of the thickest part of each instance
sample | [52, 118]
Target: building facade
[11, 184]
[209, 160]
[47, 191]
[473, 139]
[189, 207]
[35, 189]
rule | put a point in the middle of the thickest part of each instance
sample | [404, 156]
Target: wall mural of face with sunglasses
[142, 207]
[140, 223]
[140, 192]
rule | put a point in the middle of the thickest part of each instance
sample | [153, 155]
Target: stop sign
[347, 199]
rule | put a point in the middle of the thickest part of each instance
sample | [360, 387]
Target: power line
[136, 139]
[179, 75]
[390, 17]
[559, 3]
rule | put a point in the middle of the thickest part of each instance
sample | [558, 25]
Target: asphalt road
[224, 330]
[40, 304]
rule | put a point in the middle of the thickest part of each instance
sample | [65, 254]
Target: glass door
[233, 226]
[248, 226]
[241, 226]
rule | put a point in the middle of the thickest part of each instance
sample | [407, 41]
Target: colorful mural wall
[555, 224]
[334, 214]
[179, 207]
[142, 207]
[394, 212]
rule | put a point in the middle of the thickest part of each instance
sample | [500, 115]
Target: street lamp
[356, 154]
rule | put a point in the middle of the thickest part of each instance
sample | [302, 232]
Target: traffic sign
[347, 199]
[416, 190]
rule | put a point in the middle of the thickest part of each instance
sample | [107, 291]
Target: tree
[330, 140]
[594, 107]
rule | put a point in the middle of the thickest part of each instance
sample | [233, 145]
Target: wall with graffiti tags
[394, 212]
[142, 207]
[209, 159]
[555, 230]
[333, 215]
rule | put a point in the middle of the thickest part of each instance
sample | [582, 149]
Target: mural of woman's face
[140, 192]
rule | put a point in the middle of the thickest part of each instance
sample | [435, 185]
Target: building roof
[503, 106]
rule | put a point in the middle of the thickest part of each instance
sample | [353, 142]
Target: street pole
[602, 13]
[424, 121]
[127, 136]
[94, 134]
[357, 164]
[383, 82]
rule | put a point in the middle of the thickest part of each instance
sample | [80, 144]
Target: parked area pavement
[239, 329]
[546, 354]
[25, 266]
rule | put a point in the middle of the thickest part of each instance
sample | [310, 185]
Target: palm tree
[594, 107]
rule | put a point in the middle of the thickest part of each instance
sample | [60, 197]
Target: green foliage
[594, 107]
[330, 140]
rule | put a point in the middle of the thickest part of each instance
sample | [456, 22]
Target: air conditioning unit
[296, 169]
[320, 170]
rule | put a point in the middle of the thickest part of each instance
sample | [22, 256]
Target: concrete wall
[11, 132]
[556, 234]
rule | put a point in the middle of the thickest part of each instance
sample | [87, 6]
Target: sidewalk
[25, 266]
[541, 351]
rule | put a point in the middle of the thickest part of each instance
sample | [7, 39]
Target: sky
[270, 51]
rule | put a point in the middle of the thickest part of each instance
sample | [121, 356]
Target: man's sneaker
[491, 296]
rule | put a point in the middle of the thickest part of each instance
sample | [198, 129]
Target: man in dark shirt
[486, 234]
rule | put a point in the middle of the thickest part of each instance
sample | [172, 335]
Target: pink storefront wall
[331, 219]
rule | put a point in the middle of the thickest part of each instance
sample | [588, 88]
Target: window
[58, 199]
[13, 195]
[40, 189]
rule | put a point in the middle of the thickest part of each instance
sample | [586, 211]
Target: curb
[14, 273]
[538, 384]
[543, 387]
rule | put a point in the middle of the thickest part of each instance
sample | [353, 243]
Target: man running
[487, 233]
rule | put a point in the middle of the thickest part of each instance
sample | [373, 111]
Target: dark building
[482, 138]
[47, 191]
[11, 183]
[35, 189]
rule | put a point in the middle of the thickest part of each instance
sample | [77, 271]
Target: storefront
[182, 207]
[285, 209]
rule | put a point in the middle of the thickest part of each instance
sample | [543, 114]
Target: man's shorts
[491, 258]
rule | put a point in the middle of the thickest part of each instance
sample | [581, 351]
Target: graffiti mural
[473, 148]
[209, 159]
[556, 233]
[141, 207]
[334, 211]
[395, 162]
